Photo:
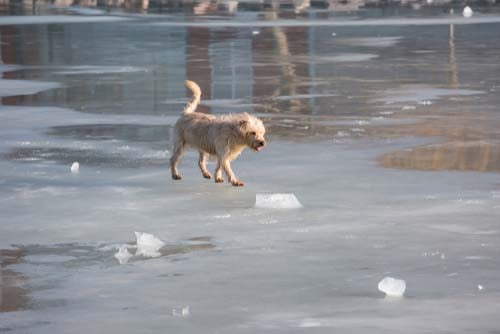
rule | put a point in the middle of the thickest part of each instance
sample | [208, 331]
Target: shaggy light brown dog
[224, 137]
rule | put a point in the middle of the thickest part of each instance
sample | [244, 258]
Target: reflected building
[13, 295]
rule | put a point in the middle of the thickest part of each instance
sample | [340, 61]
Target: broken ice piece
[408, 108]
[392, 287]
[123, 255]
[148, 245]
[255, 32]
[480, 287]
[184, 312]
[467, 11]
[75, 167]
[277, 201]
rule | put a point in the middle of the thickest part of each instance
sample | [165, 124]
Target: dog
[223, 137]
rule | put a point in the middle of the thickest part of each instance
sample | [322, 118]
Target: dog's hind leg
[218, 172]
[202, 163]
[179, 148]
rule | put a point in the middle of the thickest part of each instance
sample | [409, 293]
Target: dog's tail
[195, 99]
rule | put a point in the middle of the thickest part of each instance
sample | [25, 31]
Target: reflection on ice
[123, 255]
[370, 41]
[422, 94]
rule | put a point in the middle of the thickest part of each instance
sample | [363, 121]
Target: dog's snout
[262, 143]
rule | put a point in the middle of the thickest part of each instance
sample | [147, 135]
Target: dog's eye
[252, 133]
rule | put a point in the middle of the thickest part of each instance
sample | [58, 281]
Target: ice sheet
[24, 87]
[337, 23]
[79, 70]
[56, 19]
[229, 267]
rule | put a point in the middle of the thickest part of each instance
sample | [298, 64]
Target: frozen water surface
[387, 134]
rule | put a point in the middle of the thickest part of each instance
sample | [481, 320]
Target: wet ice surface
[386, 136]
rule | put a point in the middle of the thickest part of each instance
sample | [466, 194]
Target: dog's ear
[243, 125]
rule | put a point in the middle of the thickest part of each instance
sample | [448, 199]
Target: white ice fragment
[334, 34]
[277, 201]
[408, 107]
[184, 312]
[425, 102]
[467, 12]
[123, 255]
[443, 256]
[148, 245]
[392, 287]
[255, 32]
[75, 167]
[223, 216]
[342, 134]
[480, 287]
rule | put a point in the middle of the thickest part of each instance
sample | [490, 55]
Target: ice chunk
[148, 245]
[467, 11]
[184, 312]
[123, 255]
[277, 201]
[480, 287]
[392, 287]
[75, 167]
[255, 32]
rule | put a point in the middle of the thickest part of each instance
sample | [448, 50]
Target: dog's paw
[237, 183]
[219, 180]
[207, 175]
[176, 177]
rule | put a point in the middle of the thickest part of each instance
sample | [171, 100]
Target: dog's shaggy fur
[224, 137]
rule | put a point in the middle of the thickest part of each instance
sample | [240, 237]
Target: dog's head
[253, 131]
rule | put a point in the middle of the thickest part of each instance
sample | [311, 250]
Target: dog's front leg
[232, 178]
